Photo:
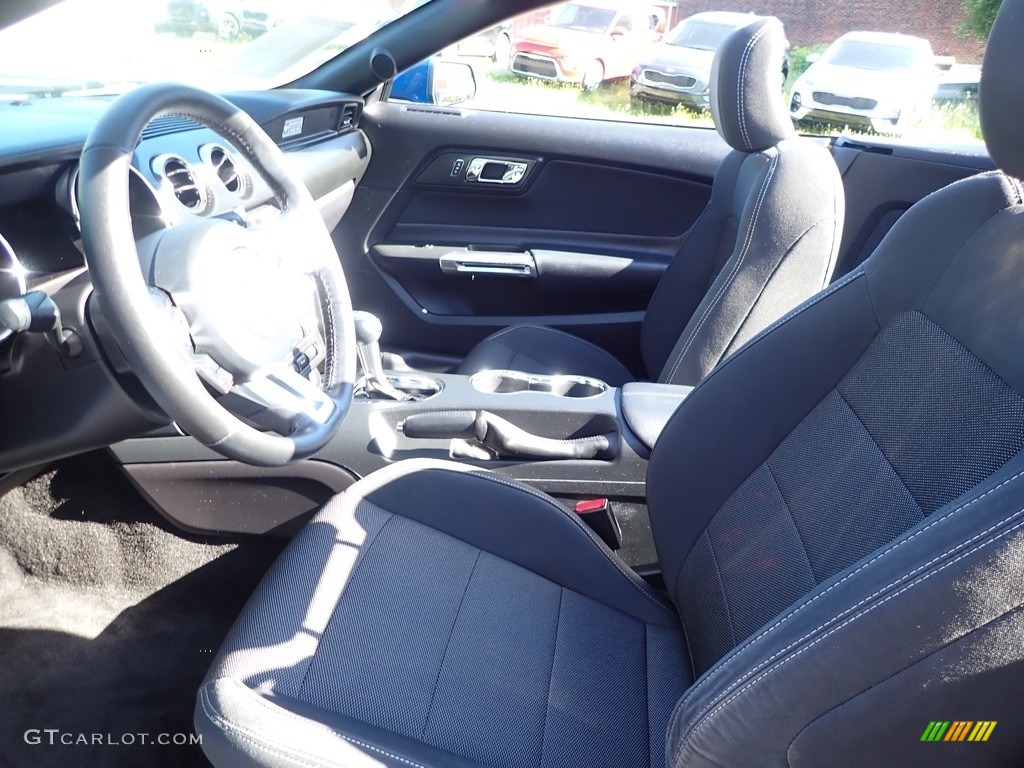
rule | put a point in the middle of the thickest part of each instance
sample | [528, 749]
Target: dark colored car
[229, 18]
[185, 17]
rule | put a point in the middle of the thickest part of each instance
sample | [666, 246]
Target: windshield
[584, 17]
[82, 47]
[702, 35]
[861, 54]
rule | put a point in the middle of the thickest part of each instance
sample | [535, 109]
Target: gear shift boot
[375, 383]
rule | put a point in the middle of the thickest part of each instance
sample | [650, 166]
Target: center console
[573, 437]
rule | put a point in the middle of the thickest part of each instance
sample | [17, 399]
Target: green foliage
[957, 120]
[798, 63]
[952, 123]
[979, 15]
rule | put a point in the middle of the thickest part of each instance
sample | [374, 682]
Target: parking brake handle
[505, 438]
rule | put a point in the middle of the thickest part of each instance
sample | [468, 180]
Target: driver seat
[839, 515]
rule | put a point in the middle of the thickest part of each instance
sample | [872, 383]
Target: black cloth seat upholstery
[839, 515]
[440, 636]
[767, 240]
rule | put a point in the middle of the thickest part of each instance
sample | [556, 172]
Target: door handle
[486, 170]
[468, 262]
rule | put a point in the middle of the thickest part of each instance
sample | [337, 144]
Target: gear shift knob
[368, 328]
[368, 331]
[375, 382]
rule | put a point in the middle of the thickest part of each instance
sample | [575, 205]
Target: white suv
[872, 80]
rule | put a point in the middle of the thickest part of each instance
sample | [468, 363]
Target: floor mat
[109, 618]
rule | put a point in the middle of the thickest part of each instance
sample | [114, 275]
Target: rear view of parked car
[870, 80]
[586, 43]
[678, 69]
[959, 84]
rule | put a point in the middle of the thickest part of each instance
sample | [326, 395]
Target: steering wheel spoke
[292, 402]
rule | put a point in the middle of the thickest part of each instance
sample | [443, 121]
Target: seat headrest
[1001, 94]
[746, 86]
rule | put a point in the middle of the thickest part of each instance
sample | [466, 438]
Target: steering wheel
[219, 320]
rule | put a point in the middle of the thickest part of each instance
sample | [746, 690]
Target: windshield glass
[701, 35]
[584, 17]
[861, 54]
[82, 47]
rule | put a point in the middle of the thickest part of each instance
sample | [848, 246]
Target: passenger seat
[767, 240]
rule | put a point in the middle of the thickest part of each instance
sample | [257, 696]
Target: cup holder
[510, 382]
[420, 387]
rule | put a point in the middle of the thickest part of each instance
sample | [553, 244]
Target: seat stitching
[744, 62]
[768, 281]
[735, 269]
[447, 645]
[881, 451]
[360, 559]
[722, 703]
[939, 648]
[725, 594]
[663, 284]
[848, 278]
[789, 510]
[838, 197]
[689, 650]
[330, 332]
[582, 526]
[938, 519]
[860, 603]
[647, 687]
[796, 244]
[261, 742]
[551, 675]
[733, 272]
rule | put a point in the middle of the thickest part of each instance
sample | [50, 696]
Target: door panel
[882, 180]
[566, 195]
[600, 210]
[484, 283]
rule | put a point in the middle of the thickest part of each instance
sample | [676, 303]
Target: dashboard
[53, 404]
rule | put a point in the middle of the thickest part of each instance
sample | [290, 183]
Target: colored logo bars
[958, 730]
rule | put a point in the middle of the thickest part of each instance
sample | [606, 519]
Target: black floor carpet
[108, 620]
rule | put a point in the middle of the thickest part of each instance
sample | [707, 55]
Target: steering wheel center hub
[247, 308]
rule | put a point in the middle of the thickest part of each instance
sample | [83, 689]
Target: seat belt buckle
[598, 515]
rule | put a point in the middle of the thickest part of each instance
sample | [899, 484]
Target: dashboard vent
[224, 166]
[183, 182]
[163, 126]
[349, 116]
